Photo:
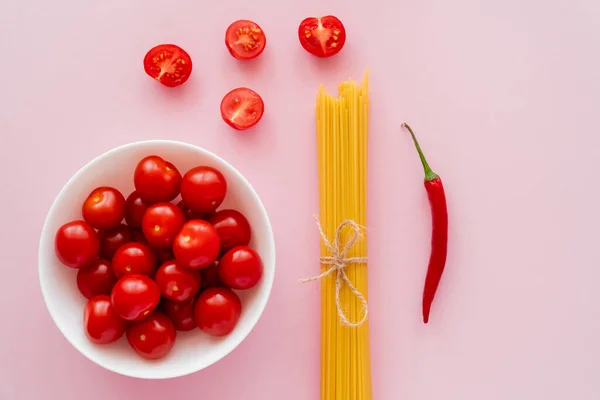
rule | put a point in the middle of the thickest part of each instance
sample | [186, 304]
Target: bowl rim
[46, 235]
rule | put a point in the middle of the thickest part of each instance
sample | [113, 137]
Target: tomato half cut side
[322, 37]
[169, 64]
[242, 108]
[245, 39]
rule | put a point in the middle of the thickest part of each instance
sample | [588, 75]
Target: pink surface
[504, 96]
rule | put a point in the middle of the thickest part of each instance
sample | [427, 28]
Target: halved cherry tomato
[135, 209]
[134, 258]
[240, 268]
[153, 337]
[161, 222]
[76, 244]
[322, 37]
[203, 189]
[242, 108]
[111, 240]
[134, 297]
[217, 311]
[169, 64]
[104, 208]
[101, 323]
[177, 283]
[245, 39]
[181, 314]
[233, 228]
[156, 180]
[96, 279]
[197, 245]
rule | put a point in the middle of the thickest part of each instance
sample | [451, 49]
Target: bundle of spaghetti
[342, 132]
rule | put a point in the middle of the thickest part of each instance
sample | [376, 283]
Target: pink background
[504, 95]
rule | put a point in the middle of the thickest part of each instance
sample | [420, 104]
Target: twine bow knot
[338, 262]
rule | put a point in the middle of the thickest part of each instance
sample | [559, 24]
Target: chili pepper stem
[429, 174]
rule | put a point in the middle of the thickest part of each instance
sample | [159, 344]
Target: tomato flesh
[322, 37]
[242, 108]
[169, 64]
[245, 40]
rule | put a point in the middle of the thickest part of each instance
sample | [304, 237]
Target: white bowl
[193, 350]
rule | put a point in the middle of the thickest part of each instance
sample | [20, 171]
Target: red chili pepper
[439, 234]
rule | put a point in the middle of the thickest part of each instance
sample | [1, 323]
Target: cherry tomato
[240, 268]
[197, 245]
[161, 222]
[135, 209]
[163, 255]
[111, 240]
[245, 40]
[217, 311]
[177, 283]
[322, 37]
[203, 189]
[210, 276]
[169, 64]
[96, 279]
[104, 208]
[189, 213]
[134, 258]
[135, 296]
[156, 180]
[242, 108]
[232, 227]
[138, 237]
[181, 314]
[153, 337]
[76, 244]
[102, 325]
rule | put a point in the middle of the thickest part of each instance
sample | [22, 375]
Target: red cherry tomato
[156, 180]
[134, 297]
[163, 255]
[240, 268]
[161, 222]
[101, 323]
[153, 337]
[210, 276]
[134, 258]
[181, 314]
[245, 40]
[104, 208]
[322, 37]
[135, 209]
[189, 213]
[197, 245]
[203, 189]
[177, 283]
[76, 244]
[96, 279]
[232, 227]
[111, 240]
[169, 64]
[242, 108]
[139, 237]
[217, 311]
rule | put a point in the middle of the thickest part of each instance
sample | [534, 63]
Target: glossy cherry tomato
[135, 209]
[138, 237]
[169, 64]
[163, 255]
[104, 208]
[153, 337]
[101, 323]
[240, 268]
[245, 39]
[203, 189]
[177, 283]
[217, 311]
[181, 314]
[189, 213]
[156, 180]
[322, 37]
[134, 258]
[161, 222]
[96, 279]
[197, 245]
[111, 240]
[134, 297]
[232, 227]
[210, 276]
[76, 244]
[242, 108]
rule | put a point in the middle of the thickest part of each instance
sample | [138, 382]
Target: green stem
[429, 174]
